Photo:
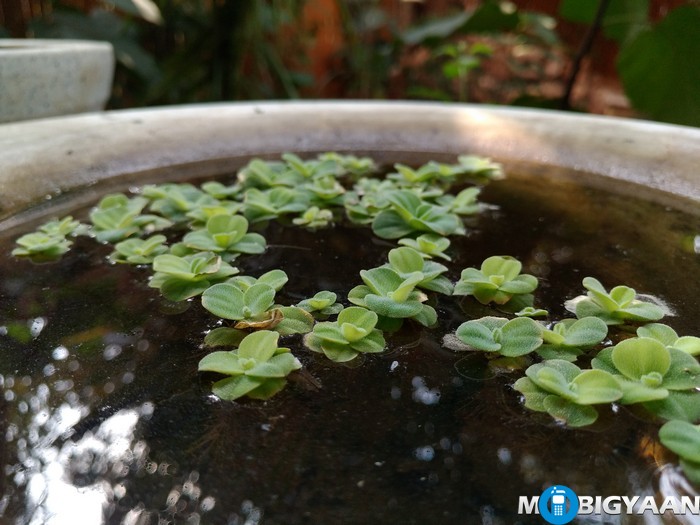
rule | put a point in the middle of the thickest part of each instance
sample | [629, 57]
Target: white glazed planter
[46, 78]
[51, 156]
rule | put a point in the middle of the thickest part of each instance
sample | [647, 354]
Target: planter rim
[68, 152]
[42, 45]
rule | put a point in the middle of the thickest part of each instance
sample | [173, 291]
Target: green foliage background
[184, 51]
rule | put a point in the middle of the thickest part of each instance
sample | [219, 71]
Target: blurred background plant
[623, 57]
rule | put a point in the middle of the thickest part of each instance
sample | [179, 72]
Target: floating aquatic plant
[669, 338]
[409, 214]
[683, 438]
[322, 304]
[257, 369]
[500, 336]
[226, 234]
[314, 218]
[566, 392]
[619, 305]
[352, 334]
[393, 296]
[139, 251]
[429, 245]
[255, 308]
[180, 278]
[117, 217]
[497, 281]
[647, 370]
[568, 338]
[406, 261]
[50, 241]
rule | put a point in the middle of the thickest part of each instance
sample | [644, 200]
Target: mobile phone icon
[558, 503]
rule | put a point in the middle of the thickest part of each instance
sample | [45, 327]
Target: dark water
[105, 418]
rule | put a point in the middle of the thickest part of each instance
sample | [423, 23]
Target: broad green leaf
[688, 344]
[295, 321]
[534, 395]
[427, 316]
[381, 281]
[553, 381]
[328, 331]
[224, 336]
[267, 389]
[521, 284]
[175, 289]
[390, 308]
[360, 317]
[678, 405]
[682, 438]
[572, 414]
[506, 266]
[222, 362]
[637, 392]
[224, 300]
[232, 388]
[586, 332]
[405, 260]
[661, 332]
[258, 298]
[404, 291]
[388, 224]
[643, 311]
[684, 372]
[477, 335]
[568, 370]
[372, 343]
[659, 66]
[595, 386]
[640, 356]
[338, 353]
[260, 345]
[521, 336]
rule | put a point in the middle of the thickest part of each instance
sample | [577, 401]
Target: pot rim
[65, 153]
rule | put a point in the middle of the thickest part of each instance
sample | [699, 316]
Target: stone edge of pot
[44, 78]
[51, 156]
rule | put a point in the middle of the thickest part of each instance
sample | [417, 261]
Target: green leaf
[388, 224]
[175, 289]
[295, 321]
[224, 300]
[232, 388]
[641, 356]
[505, 266]
[688, 344]
[222, 362]
[405, 260]
[596, 386]
[390, 308]
[586, 332]
[572, 414]
[360, 317]
[477, 335]
[267, 389]
[661, 332]
[659, 71]
[678, 405]
[534, 395]
[258, 298]
[521, 336]
[224, 336]
[260, 345]
[682, 438]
